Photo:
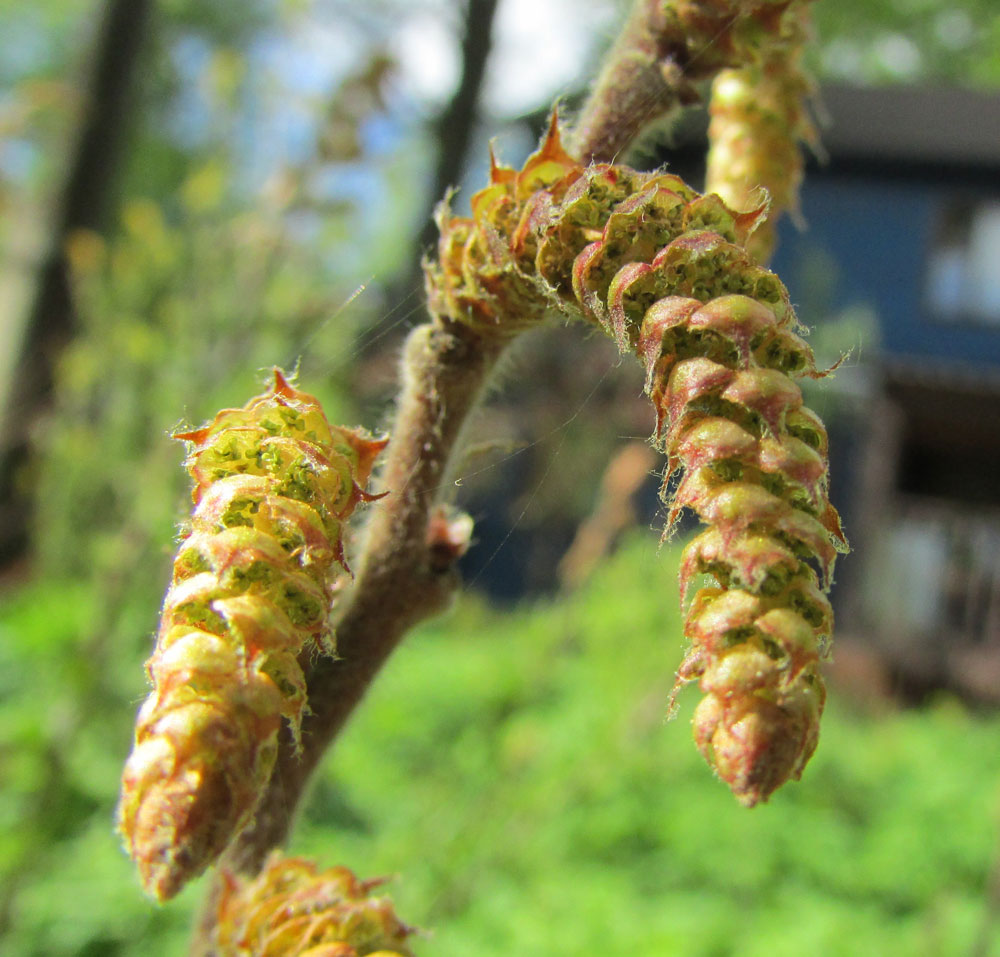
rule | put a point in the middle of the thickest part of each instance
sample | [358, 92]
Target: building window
[963, 268]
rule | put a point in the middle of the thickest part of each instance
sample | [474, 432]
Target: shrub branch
[400, 581]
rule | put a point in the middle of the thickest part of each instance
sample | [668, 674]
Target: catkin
[251, 588]
[665, 271]
[759, 118]
[292, 909]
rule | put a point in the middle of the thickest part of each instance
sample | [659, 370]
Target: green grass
[516, 771]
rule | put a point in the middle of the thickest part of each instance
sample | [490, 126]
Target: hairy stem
[445, 367]
[632, 90]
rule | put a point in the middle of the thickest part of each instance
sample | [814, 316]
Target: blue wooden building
[903, 248]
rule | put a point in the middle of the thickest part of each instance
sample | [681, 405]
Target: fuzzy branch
[445, 368]
[633, 89]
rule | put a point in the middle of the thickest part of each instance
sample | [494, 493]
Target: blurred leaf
[204, 189]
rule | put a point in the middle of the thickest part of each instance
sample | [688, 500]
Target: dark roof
[914, 124]
[899, 132]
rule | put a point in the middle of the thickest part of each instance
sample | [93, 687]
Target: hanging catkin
[274, 484]
[759, 120]
[665, 272]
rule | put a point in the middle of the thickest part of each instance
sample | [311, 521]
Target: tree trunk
[85, 204]
[453, 130]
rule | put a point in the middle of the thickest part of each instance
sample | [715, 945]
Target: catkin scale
[274, 484]
[666, 273]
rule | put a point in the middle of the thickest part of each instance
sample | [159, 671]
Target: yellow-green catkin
[666, 272]
[252, 587]
[292, 909]
[758, 121]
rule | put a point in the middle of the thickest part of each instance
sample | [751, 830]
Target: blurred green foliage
[517, 773]
[909, 41]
